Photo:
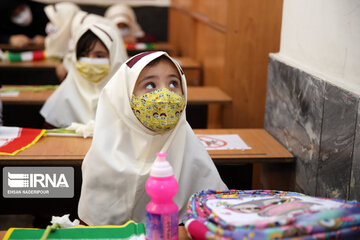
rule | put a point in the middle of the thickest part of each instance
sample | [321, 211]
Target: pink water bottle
[161, 213]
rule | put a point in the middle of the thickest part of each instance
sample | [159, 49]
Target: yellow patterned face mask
[159, 110]
[93, 69]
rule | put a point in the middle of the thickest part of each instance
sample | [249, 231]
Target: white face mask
[24, 18]
[124, 31]
[50, 28]
[94, 60]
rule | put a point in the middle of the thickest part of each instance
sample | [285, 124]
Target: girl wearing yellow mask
[141, 112]
[99, 53]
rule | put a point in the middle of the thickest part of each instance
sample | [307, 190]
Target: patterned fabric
[271, 214]
[158, 110]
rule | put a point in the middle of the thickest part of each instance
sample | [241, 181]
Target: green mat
[130, 230]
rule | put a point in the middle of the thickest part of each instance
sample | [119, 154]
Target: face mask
[159, 110]
[93, 69]
[124, 31]
[50, 28]
[24, 18]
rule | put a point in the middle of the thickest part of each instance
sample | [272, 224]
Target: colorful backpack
[270, 214]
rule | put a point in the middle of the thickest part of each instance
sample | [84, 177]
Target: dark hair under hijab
[86, 43]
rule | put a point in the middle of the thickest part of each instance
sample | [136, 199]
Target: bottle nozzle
[161, 156]
[161, 167]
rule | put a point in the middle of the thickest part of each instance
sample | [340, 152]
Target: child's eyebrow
[97, 52]
[147, 78]
[174, 75]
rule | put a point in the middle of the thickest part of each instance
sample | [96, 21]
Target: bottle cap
[161, 167]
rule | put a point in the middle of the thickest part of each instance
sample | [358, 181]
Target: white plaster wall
[323, 38]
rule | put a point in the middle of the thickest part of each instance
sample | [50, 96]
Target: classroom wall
[312, 103]
[231, 39]
[323, 37]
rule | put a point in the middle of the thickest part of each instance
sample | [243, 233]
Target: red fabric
[130, 46]
[38, 55]
[135, 59]
[147, 38]
[26, 137]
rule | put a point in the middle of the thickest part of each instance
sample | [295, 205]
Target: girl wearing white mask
[59, 28]
[125, 19]
[129, 132]
[99, 53]
[22, 23]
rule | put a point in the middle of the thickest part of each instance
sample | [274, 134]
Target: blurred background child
[58, 28]
[125, 19]
[22, 23]
[80, 19]
[128, 133]
[99, 53]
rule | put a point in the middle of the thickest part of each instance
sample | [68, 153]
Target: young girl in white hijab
[129, 132]
[59, 28]
[80, 20]
[125, 19]
[99, 54]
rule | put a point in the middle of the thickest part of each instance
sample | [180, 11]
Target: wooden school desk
[160, 46]
[8, 47]
[29, 73]
[54, 150]
[43, 72]
[182, 234]
[70, 151]
[196, 95]
[31, 101]
[192, 70]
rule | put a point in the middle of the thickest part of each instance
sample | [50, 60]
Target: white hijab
[76, 98]
[80, 20]
[122, 13]
[61, 15]
[122, 152]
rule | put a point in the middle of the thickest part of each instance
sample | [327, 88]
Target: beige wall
[323, 38]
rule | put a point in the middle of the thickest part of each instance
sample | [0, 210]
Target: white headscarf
[76, 98]
[122, 152]
[122, 13]
[80, 20]
[61, 15]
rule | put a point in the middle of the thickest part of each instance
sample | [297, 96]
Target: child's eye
[173, 84]
[150, 86]
[100, 55]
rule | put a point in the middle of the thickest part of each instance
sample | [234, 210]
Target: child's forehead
[159, 66]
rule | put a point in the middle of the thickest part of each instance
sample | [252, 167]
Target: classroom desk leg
[278, 176]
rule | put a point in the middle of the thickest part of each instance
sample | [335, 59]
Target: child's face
[164, 74]
[98, 51]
